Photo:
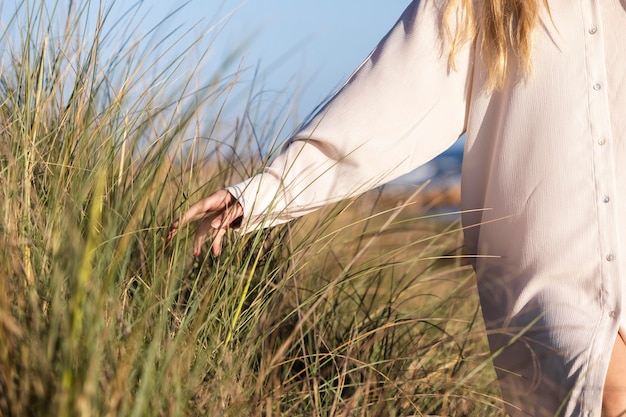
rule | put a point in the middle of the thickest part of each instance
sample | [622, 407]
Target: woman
[538, 88]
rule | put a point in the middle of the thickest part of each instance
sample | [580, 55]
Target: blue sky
[298, 52]
[302, 49]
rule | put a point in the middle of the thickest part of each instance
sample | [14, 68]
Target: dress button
[602, 141]
[606, 199]
[610, 257]
[593, 29]
[613, 314]
[597, 86]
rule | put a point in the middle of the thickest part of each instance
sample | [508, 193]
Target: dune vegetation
[366, 308]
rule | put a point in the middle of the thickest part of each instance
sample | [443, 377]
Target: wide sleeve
[402, 107]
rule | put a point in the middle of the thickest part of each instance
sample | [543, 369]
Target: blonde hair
[505, 28]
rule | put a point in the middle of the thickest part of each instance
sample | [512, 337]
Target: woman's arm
[401, 108]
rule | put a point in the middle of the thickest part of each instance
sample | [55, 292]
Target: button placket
[602, 154]
[604, 181]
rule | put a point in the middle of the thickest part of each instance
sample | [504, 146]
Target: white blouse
[544, 175]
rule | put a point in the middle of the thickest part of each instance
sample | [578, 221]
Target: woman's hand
[216, 213]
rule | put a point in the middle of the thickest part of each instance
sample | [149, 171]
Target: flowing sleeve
[402, 107]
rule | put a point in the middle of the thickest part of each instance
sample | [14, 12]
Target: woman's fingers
[204, 228]
[201, 210]
[216, 245]
[216, 213]
[172, 231]
[204, 208]
[221, 223]
[228, 216]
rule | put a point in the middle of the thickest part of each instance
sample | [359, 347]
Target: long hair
[505, 28]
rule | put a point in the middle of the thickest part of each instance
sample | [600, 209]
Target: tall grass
[364, 309]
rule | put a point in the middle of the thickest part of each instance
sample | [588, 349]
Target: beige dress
[545, 164]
